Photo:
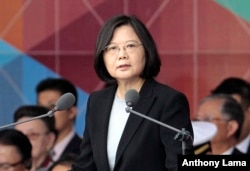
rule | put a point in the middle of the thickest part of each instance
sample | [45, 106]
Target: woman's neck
[123, 87]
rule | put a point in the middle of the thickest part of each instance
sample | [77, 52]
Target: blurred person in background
[48, 92]
[227, 114]
[41, 133]
[239, 89]
[15, 151]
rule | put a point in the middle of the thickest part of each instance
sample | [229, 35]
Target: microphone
[64, 102]
[132, 97]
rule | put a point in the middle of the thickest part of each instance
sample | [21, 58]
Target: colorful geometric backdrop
[201, 42]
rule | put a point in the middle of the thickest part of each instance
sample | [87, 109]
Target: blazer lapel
[143, 105]
[105, 106]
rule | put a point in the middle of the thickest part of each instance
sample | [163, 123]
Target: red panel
[200, 42]
[80, 70]
[220, 30]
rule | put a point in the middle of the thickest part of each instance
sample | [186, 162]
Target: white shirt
[243, 145]
[59, 148]
[228, 151]
[117, 122]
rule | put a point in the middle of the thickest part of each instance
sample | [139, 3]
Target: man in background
[41, 133]
[239, 89]
[227, 114]
[48, 92]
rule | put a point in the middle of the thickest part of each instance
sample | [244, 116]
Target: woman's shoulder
[163, 88]
[104, 91]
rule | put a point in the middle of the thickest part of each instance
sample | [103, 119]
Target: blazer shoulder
[162, 89]
[105, 91]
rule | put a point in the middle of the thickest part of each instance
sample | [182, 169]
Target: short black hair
[34, 111]
[20, 141]
[153, 62]
[230, 109]
[59, 84]
[235, 85]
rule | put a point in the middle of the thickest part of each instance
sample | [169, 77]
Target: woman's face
[124, 57]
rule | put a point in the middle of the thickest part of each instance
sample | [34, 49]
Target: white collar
[243, 145]
[59, 148]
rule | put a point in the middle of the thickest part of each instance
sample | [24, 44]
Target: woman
[126, 55]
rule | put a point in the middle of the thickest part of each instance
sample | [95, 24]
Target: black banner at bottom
[214, 162]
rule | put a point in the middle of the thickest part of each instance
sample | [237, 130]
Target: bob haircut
[153, 62]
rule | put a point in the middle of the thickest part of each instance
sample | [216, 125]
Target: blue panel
[82, 104]
[11, 95]
[19, 75]
[33, 72]
[7, 53]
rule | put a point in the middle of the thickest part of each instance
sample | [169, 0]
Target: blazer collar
[144, 103]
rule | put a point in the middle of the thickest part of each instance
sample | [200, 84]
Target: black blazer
[144, 145]
[73, 147]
